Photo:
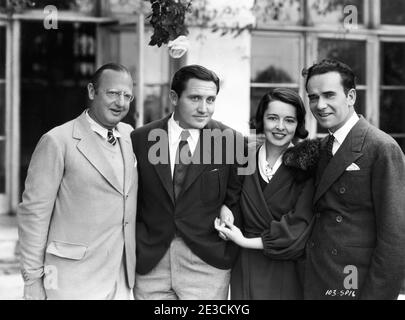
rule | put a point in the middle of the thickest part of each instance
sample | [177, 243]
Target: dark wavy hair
[195, 71]
[331, 65]
[287, 96]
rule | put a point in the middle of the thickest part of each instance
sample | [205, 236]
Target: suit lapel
[348, 153]
[163, 170]
[201, 155]
[91, 150]
[129, 159]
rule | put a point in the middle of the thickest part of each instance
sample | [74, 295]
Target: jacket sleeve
[285, 239]
[34, 212]
[387, 267]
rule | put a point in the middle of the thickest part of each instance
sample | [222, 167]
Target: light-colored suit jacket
[75, 220]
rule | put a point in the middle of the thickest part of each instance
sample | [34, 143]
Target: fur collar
[303, 158]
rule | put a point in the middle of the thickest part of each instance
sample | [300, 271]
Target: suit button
[126, 196]
[339, 219]
[334, 252]
[318, 215]
[311, 244]
[126, 223]
[342, 190]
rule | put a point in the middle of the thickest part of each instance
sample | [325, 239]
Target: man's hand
[231, 232]
[35, 291]
[225, 215]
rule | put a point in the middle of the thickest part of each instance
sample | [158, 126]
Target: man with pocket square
[77, 216]
[356, 250]
[179, 253]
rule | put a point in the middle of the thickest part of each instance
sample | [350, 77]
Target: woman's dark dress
[279, 212]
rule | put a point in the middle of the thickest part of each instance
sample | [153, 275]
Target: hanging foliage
[167, 19]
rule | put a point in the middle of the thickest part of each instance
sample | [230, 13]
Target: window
[156, 71]
[276, 12]
[392, 110]
[333, 12]
[393, 12]
[353, 53]
[272, 68]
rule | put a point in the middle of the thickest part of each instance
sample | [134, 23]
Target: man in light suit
[179, 253]
[356, 250]
[77, 217]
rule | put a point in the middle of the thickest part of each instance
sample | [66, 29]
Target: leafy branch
[167, 19]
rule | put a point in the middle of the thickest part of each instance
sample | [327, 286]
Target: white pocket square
[353, 167]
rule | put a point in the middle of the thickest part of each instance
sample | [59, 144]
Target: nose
[280, 125]
[120, 100]
[321, 104]
[202, 107]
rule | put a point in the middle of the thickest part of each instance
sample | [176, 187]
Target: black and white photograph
[219, 152]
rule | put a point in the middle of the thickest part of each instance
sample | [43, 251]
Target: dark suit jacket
[206, 188]
[281, 214]
[360, 219]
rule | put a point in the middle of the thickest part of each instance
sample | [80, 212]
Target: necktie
[183, 158]
[110, 137]
[329, 146]
[326, 155]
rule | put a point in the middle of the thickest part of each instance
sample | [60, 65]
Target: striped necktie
[110, 137]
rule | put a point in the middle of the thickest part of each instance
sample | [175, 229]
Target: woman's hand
[230, 231]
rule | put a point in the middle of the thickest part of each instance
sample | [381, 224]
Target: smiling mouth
[201, 117]
[324, 115]
[279, 135]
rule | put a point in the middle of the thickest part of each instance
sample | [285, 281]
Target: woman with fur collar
[275, 204]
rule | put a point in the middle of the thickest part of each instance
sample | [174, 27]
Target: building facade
[257, 45]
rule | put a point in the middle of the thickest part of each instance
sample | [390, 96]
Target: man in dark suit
[356, 250]
[184, 179]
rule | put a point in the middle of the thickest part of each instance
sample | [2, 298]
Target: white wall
[229, 57]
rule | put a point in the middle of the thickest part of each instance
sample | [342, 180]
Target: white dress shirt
[174, 132]
[341, 134]
[97, 128]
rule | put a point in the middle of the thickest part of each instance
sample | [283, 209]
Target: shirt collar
[96, 127]
[174, 132]
[341, 134]
[264, 169]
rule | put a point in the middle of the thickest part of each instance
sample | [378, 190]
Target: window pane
[393, 12]
[2, 109]
[393, 63]
[2, 52]
[157, 104]
[271, 12]
[360, 108]
[2, 166]
[275, 59]
[333, 11]
[392, 111]
[60, 4]
[353, 53]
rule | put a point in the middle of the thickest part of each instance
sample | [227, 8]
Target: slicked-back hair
[186, 73]
[331, 65]
[288, 96]
[95, 79]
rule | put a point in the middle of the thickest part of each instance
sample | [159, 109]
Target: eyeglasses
[116, 95]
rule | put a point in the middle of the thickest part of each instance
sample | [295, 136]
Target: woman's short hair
[288, 96]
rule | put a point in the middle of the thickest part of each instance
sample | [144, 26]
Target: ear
[351, 97]
[173, 97]
[91, 91]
